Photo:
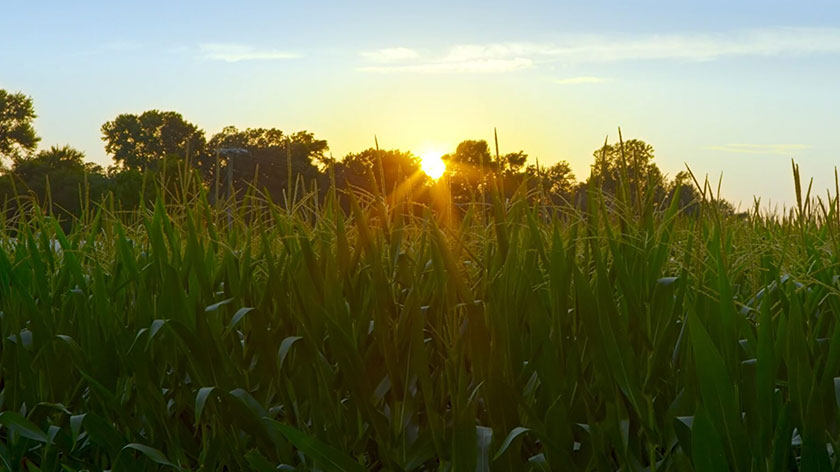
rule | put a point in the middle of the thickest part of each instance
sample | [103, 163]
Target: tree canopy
[275, 161]
[140, 141]
[266, 157]
[469, 168]
[57, 174]
[361, 170]
[17, 135]
[557, 180]
[631, 161]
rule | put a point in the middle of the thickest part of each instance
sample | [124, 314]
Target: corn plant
[354, 333]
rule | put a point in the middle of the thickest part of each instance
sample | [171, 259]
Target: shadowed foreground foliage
[530, 336]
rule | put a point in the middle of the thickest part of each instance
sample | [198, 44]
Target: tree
[138, 142]
[61, 173]
[635, 157]
[688, 196]
[57, 157]
[557, 180]
[266, 157]
[512, 162]
[17, 135]
[362, 170]
[127, 187]
[469, 168]
[469, 156]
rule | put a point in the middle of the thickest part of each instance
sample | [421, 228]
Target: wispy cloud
[390, 55]
[697, 46]
[231, 52]
[474, 59]
[460, 59]
[580, 80]
[580, 49]
[775, 149]
[478, 66]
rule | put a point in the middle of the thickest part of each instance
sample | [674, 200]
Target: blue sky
[738, 89]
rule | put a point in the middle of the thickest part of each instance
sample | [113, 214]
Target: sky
[726, 88]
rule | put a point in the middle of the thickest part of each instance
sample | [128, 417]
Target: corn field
[356, 332]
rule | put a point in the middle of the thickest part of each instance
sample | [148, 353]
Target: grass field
[514, 336]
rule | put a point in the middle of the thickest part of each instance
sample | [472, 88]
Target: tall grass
[194, 336]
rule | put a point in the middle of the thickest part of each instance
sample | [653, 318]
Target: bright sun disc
[432, 165]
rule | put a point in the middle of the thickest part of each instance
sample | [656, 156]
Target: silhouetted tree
[362, 170]
[557, 180]
[156, 147]
[139, 142]
[513, 162]
[62, 173]
[633, 157]
[512, 174]
[17, 135]
[127, 186]
[689, 197]
[267, 157]
[469, 168]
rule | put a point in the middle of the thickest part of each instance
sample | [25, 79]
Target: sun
[432, 164]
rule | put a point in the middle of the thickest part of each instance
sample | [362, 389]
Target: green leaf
[285, 345]
[103, 433]
[155, 328]
[258, 462]
[327, 457]
[514, 433]
[23, 426]
[249, 402]
[237, 317]
[151, 453]
[217, 305]
[707, 449]
[719, 398]
[484, 436]
[200, 400]
[837, 390]
[76, 422]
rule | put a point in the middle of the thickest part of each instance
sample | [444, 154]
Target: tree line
[146, 147]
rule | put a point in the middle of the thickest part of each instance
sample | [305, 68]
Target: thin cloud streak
[699, 47]
[390, 55]
[230, 52]
[775, 149]
[572, 50]
[478, 66]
